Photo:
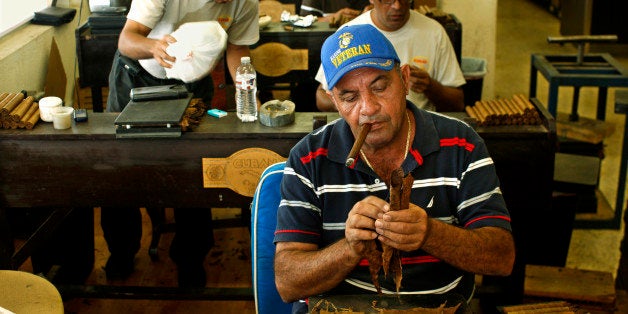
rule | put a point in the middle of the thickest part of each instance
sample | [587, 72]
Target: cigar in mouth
[357, 145]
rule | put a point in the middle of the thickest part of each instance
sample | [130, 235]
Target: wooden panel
[85, 165]
[303, 85]
[546, 307]
[276, 59]
[569, 284]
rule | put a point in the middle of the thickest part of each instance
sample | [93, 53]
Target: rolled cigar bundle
[3, 96]
[357, 145]
[17, 111]
[22, 108]
[4, 99]
[12, 103]
[517, 110]
[471, 112]
[32, 120]
[34, 109]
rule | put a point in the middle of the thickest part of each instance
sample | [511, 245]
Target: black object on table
[152, 118]
[95, 50]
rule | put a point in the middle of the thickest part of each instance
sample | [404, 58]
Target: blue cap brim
[377, 63]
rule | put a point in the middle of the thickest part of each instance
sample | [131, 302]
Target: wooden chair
[24, 292]
[280, 69]
[263, 222]
[274, 8]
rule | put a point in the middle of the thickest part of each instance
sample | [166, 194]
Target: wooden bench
[583, 287]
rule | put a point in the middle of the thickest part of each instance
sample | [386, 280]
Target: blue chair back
[263, 222]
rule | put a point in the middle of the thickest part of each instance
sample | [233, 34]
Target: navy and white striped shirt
[454, 181]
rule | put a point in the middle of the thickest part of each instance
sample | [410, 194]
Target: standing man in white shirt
[421, 42]
[140, 62]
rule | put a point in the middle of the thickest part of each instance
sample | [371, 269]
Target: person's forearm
[135, 46]
[234, 54]
[445, 98]
[300, 274]
[323, 101]
[484, 251]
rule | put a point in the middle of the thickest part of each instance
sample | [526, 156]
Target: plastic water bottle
[246, 89]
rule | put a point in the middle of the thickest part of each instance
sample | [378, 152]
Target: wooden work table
[86, 166]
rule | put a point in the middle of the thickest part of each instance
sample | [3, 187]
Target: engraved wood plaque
[240, 172]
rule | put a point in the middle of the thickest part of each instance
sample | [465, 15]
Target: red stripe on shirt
[487, 217]
[409, 260]
[456, 141]
[419, 259]
[297, 231]
[309, 157]
[417, 156]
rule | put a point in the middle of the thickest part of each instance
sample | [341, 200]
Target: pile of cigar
[193, 113]
[17, 111]
[517, 110]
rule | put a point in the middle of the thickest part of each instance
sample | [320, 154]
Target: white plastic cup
[46, 105]
[62, 117]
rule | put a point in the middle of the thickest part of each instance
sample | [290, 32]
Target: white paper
[5, 311]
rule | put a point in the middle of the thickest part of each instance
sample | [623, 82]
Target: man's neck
[386, 159]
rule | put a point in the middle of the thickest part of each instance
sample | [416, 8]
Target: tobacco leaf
[400, 188]
[374, 257]
[389, 258]
[442, 309]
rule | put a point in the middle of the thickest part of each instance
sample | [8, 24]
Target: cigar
[357, 145]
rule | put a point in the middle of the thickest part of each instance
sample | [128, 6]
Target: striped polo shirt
[454, 181]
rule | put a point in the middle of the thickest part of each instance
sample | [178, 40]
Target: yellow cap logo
[345, 40]
[341, 56]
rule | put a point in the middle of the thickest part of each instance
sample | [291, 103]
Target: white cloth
[198, 49]
[240, 19]
[422, 42]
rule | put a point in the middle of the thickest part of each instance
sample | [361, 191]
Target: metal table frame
[596, 70]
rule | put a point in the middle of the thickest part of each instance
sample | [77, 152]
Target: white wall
[24, 53]
[478, 19]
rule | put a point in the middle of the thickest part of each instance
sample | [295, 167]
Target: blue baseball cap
[353, 47]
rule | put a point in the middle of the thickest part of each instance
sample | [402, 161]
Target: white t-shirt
[422, 42]
[240, 19]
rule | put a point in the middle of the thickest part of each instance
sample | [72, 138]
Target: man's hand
[346, 14]
[420, 80]
[404, 229]
[330, 265]
[158, 50]
[360, 224]
[444, 98]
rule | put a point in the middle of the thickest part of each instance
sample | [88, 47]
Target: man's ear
[405, 77]
[333, 99]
